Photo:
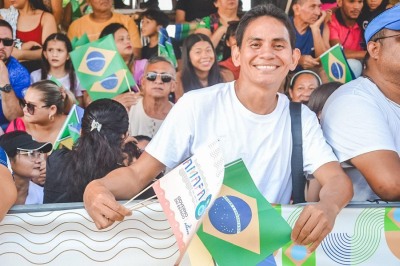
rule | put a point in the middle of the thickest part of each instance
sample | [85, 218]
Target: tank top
[33, 35]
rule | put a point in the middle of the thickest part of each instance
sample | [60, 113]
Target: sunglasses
[7, 42]
[165, 78]
[30, 107]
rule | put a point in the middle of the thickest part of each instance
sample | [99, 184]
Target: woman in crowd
[26, 156]
[8, 191]
[33, 26]
[57, 65]
[302, 84]
[45, 107]
[215, 25]
[100, 149]
[199, 65]
[320, 95]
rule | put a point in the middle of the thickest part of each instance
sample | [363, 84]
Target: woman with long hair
[199, 65]
[45, 108]
[100, 149]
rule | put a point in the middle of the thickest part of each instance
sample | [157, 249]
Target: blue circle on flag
[230, 215]
[95, 61]
[396, 215]
[337, 70]
[298, 252]
[110, 82]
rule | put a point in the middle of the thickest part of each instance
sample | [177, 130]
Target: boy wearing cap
[25, 155]
[361, 120]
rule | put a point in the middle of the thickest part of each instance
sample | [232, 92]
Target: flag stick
[138, 205]
[127, 82]
[140, 193]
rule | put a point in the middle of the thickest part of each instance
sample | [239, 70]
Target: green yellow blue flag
[184, 30]
[70, 131]
[101, 69]
[242, 228]
[80, 8]
[165, 47]
[335, 65]
[76, 42]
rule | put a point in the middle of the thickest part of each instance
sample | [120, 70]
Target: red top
[33, 35]
[228, 63]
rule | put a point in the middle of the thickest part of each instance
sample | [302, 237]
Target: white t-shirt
[357, 119]
[140, 123]
[264, 142]
[35, 194]
[37, 76]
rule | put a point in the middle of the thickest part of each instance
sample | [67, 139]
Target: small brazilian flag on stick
[242, 228]
[101, 69]
[70, 131]
[165, 47]
[336, 66]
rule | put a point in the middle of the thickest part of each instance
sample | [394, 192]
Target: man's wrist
[6, 88]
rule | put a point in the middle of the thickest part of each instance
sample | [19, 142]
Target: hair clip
[95, 125]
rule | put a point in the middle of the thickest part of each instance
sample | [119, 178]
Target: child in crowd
[57, 65]
[26, 156]
[228, 70]
[370, 10]
[199, 65]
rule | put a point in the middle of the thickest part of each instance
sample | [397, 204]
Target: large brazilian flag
[101, 69]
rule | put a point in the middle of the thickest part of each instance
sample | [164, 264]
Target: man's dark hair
[4, 23]
[269, 10]
[160, 17]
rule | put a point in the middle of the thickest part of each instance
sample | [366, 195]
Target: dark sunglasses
[30, 107]
[7, 42]
[152, 76]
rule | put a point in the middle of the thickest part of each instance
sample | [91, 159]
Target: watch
[7, 88]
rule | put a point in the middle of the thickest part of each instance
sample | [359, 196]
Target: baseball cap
[21, 140]
[389, 19]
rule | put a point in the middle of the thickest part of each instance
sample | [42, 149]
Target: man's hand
[314, 224]
[307, 62]
[319, 21]
[128, 99]
[101, 205]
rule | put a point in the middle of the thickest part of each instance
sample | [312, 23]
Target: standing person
[253, 122]
[8, 191]
[361, 119]
[14, 78]
[345, 30]
[26, 156]
[216, 24]
[312, 32]
[56, 64]
[199, 65]
[158, 81]
[103, 15]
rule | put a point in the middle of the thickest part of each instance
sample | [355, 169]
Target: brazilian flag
[76, 42]
[242, 228]
[335, 65]
[101, 69]
[70, 130]
[165, 47]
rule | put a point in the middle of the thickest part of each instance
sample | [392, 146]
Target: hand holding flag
[335, 65]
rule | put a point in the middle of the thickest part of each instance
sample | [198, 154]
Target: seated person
[199, 65]
[26, 156]
[319, 96]
[158, 81]
[302, 84]
[345, 30]
[361, 119]
[370, 10]
[8, 191]
[228, 69]
[190, 10]
[99, 150]
[92, 24]
[216, 24]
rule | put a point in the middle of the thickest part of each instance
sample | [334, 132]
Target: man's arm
[123, 183]
[8, 191]
[381, 169]
[9, 100]
[319, 42]
[317, 220]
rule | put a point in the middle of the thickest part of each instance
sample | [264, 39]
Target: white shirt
[37, 76]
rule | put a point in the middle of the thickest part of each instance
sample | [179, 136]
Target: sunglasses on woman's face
[30, 107]
[165, 78]
[7, 41]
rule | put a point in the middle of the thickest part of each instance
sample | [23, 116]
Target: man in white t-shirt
[361, 120]
[158, 81]
[253, 122]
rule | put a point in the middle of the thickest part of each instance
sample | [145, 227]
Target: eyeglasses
[30, 107]
[165, 78]
[30, 154]
[7, 41]
[385, 37]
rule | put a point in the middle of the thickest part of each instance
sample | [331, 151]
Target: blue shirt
[19, 80]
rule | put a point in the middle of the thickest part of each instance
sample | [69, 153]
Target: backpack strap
[298, 179]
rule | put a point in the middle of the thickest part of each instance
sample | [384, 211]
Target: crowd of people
[236, 75]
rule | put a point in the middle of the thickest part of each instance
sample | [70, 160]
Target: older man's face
[5, 51]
